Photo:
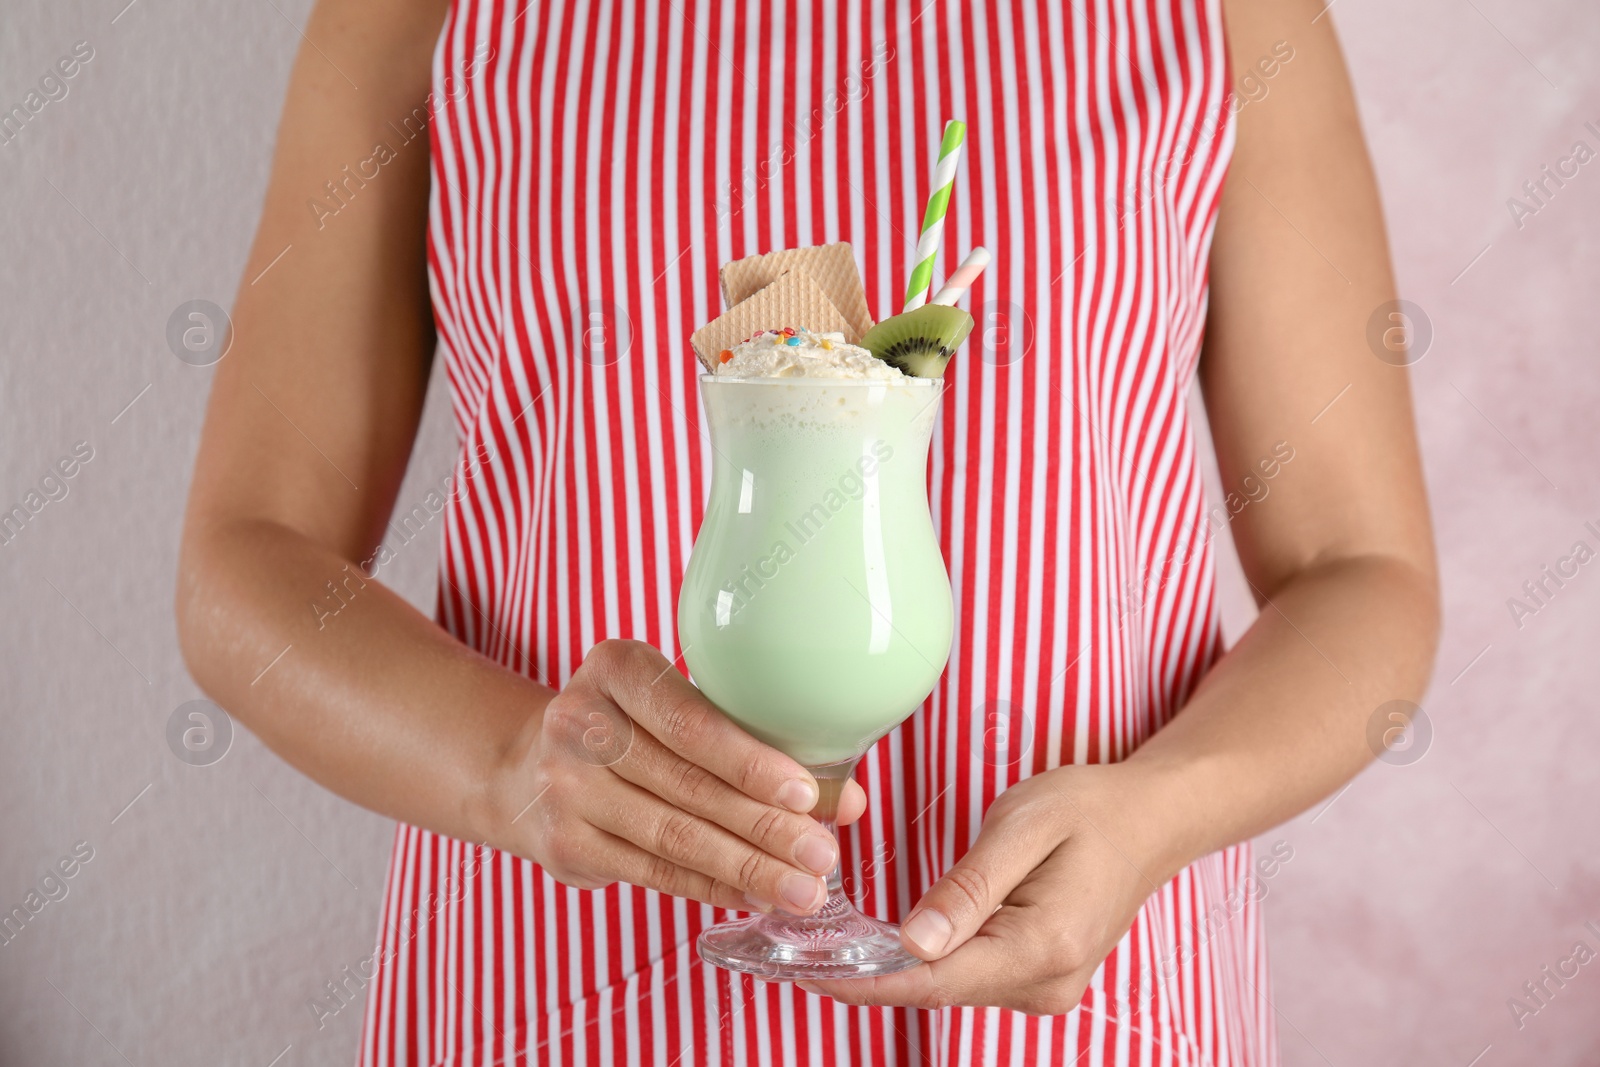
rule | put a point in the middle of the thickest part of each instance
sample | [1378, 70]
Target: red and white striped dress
[593, 164]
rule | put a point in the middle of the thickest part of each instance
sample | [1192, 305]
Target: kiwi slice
[919, 342]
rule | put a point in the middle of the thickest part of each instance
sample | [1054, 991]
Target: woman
[1064, 828]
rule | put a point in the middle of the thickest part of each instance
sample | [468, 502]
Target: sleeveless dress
[593, 164]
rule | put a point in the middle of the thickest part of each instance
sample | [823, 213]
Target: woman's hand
[1340, 560]
[631, 775]
[1062, 865]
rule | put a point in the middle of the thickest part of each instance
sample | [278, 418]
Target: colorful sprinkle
[727, 354]
[788, 331]
[793, 341]
[827, 344]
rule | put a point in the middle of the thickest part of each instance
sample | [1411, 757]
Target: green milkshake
[816, 609]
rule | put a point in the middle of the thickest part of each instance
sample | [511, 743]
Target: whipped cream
[799, 353]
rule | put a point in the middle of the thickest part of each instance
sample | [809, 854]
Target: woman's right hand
[632, 775]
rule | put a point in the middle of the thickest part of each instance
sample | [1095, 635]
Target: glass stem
[830, 786]
[835, 878]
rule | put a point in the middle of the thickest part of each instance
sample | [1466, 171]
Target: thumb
[958, 904]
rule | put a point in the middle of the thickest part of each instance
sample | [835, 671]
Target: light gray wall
[219, 902]
[225, 897]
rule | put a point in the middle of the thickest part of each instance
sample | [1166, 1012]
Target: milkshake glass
[816, 612]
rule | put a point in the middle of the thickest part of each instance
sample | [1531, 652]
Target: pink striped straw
[962, 278]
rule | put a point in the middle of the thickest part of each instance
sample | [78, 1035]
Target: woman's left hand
[1062, 865]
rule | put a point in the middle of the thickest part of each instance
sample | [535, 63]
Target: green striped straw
[944, 175]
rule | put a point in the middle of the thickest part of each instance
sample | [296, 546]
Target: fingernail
[798, 795]
[809, 988]
[800, 892]
[757, 904]
[816, 853]
[929, 931]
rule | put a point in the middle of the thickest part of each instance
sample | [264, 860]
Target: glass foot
[836, 942]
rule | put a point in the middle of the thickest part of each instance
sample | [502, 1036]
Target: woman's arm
[312, 417]
[1339, 553]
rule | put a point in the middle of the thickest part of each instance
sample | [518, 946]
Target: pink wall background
[220, 899]
[1428, 893]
